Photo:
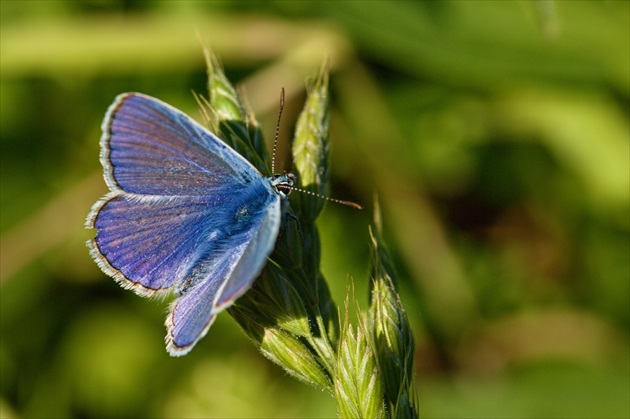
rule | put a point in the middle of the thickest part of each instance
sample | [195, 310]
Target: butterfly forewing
[151, 148]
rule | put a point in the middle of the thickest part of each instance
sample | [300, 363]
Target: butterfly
[186, 214]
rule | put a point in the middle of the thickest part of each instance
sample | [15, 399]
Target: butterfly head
[283, 183]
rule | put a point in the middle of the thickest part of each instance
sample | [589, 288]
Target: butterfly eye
[283, 183]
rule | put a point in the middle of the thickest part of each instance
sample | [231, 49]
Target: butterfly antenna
[275, 141]
[337, 201]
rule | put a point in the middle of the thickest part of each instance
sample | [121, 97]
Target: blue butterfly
[185, 214]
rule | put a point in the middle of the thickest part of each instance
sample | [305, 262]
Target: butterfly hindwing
[224, 273]
[150, 244]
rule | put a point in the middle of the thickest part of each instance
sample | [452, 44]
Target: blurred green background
[496, 134]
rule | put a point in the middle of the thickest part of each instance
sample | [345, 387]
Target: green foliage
[358, 378]
[391, 331]
[283, 313]
[311, 148]
[494, 133]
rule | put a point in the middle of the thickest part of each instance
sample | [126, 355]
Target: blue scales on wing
[225, 272]
[186, 214]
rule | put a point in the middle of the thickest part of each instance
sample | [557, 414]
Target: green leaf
[283, 348]
[311, 146]
[358, 387]
[229, 120]
[391, 332]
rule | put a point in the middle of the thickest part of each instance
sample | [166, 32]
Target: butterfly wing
[224, 274]
[172, 182]
[150, 245]
[150, 148]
